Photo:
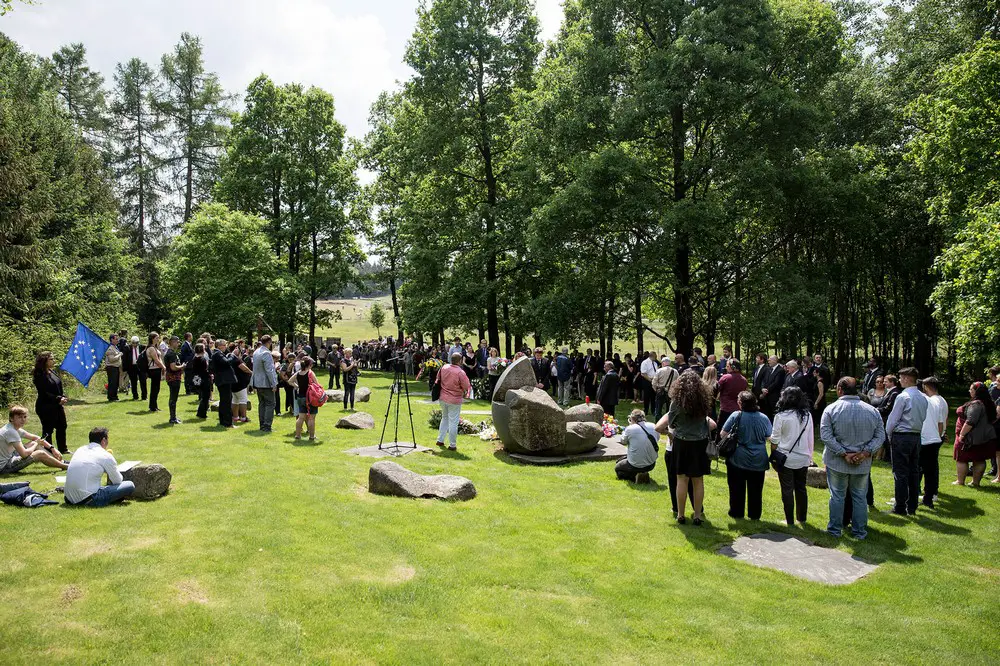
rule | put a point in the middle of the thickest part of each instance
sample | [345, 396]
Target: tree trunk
[640, 329]
[683, 309]
[611, 323]
[313, 289]
[506, 330]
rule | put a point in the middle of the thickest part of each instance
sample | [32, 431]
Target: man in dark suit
[186, 354]
[134, 365]
[760, 375]
[542, 369]
[793, 375]
[773, 385]
[874, 372]
[225, 377]
[607, 391]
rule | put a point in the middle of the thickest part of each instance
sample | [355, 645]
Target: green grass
[272, 551]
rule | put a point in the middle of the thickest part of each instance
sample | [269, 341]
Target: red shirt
[454, 384]
[730, 387]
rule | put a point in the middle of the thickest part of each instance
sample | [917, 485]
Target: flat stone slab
[609, 448]
[388, 449]
[799, 557]
[389, 478]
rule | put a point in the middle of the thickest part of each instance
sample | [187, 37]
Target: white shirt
[9, 437]
[640, 450]
[785, 431]
[648, 368]
[937, 412]
[88, 465]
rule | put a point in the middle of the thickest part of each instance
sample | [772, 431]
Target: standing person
[852, 432]
[774, 383]
[482, 354]
[133, 364]
[793, 435]
[690, 427]
[877, 394]
[456, 348]
[287, 369]
[759, 379]
[540, 366]
[607, 392]
[821, 378]
[794, 377]
[711, 380]
[243, 374]
[175, 372]
[225, 378]
[640, 440]
[321, 355]
[50, 401]
[873, 373]
[731, 385]
[648, 369]
[493, 368]
[350, 369]
[892, 391]
[265, 383]
[663, 380]
[564, 373]
[336, 358]
[746, 467]
[15, 455]
[580, 370]
[994, 391]
[454, 387]
[975, 436]
[113, 366]
[185, 357]
[83, 476]
[123, 382]
[154, 370]
[931, 437]
[201, 377]
[307, 413]
[722, 365]
[902, 429]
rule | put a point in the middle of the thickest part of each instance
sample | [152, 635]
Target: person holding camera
[14, 455]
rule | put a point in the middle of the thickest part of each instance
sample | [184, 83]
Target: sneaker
[453, 448]
[892, 502]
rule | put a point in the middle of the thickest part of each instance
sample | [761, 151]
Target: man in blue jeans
[852, 432]
[89, 464]
[902, 429]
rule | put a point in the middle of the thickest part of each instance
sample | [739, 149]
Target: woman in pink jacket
[455, 386]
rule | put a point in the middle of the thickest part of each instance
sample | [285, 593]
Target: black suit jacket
[760, 377]
[542, 371]
[607, 391]
[142, 365]
[775, 382]
[221, 368]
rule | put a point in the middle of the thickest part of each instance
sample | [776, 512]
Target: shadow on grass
[162, 426]
[652, 487]
[949, 506]
[924, 520]
[257, 433]
[306, 442]
[142, 413]
[451, 455]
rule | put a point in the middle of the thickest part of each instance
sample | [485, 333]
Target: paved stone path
[799, 557]
[609, 448]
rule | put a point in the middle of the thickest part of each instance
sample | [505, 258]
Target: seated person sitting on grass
[14, 455]
[89, 464]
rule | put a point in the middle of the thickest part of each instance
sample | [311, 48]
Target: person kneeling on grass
[14, 455]
[89, 464]
[641, 440]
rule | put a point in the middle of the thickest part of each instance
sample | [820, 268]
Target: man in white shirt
[89, 464]
[648, 369]
[931, 436]
[14, 455]
[662, 381]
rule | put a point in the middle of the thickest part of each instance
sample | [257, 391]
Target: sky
[354, 50]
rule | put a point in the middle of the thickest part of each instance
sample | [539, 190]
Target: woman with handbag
[690, 427]
[746, 466]
[975, 437]
[792, 442]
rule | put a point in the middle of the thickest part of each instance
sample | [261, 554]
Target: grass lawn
[268, 550]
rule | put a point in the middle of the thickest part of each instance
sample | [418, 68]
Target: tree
[197, 106]
[225, 297]
[136, 160]
[376, 317]
[81, 90]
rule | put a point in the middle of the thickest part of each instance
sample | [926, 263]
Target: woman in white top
[792, 434]
[155, 369]
[641, 439]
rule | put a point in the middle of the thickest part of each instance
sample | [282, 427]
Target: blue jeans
[842, 483]
[111, 494]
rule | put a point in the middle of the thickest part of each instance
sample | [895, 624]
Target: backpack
[315, 395]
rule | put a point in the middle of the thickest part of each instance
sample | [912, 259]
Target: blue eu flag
[84, 357]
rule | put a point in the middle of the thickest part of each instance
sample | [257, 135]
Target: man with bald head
[852, 432]
[772, 387]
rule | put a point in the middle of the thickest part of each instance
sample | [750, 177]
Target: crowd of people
[699, 407]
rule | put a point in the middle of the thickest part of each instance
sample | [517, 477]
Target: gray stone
[389, 478]
[335, 395]
[357, 421]
[388, 449]
[537, 423]
[609, 448]
[584, 413]
[518, 375]
[362, 394]
[816, 477]
[581, 437]
[150, 481]
[799, 557]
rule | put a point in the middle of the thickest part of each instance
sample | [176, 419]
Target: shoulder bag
[652, 440]
[778, 458]
[728, 443]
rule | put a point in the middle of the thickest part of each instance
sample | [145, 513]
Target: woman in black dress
[49, 405]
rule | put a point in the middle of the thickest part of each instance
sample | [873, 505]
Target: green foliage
[80, 88]
[376, 317]
[221, 275]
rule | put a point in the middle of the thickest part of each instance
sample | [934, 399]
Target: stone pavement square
[799, 557]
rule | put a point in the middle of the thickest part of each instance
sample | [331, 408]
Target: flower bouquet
[503, 364]
[610, 426]
[432, 365]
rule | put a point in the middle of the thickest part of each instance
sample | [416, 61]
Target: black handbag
[778, 458]
[728, 444]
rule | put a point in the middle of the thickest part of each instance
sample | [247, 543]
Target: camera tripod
[400, 385]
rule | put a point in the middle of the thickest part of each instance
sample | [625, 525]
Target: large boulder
[537, 423]
[389, 478]
[150, 481]
[518, 375]
[816, 477]
[357, 421]
[335, 395]
[592, 413]
[581, 437]
[362, 394]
